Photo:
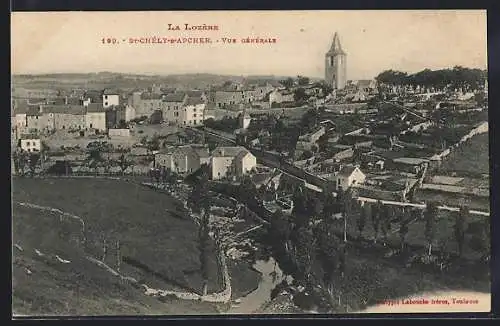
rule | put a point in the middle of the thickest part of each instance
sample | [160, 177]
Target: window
[28, 143]
[194, 110]
[105, 97]
[194, 115]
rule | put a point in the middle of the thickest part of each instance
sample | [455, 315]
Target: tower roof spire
[336, 48]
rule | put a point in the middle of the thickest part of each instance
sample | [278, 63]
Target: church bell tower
[336, 65]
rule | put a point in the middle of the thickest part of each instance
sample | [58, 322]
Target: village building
[197, 94]
[30, 143]
[349, 176]
[35, 121]
[336, 65]
[313, 136]
[149, 102]
[114, 116]
[172, 107]
[118, 133]
[110, 98]
[224, 98]
[244, 120]
[95, 117]
[130, 113]
[183, 160]
[192, 114]
[281, 96]
[227, 162]
[64, 117]
[92, 96]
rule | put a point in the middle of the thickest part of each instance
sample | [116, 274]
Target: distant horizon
[159, 74]
[375, 41]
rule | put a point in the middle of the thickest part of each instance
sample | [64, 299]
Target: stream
[255, 299]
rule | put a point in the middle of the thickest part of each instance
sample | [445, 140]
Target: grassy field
[472, 156]
[159, 244]
[76, 288]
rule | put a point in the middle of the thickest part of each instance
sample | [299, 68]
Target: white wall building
[110, 98]
[31, 144]
[129, 113]
[95, 117]
[349, 176]
[193, 112]
[231, 162]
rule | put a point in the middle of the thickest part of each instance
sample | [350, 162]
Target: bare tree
[460, 228]
[430, 215]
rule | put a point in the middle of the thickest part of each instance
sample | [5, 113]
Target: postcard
[249, 162]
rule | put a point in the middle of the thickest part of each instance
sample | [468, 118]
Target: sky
[66, 42]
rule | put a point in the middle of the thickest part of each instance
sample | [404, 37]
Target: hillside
[42, 285]
[125, 80]
[471, 157]
[158, 248]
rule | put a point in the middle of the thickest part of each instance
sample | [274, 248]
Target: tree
[204, 248]
[300, 210]
[299, 95]
[305, 251]
[329, 245]
[199, 196]
[20, 158]
[361, 222]
[347, 201]
[33, 160]
[280, 229]
[375, 216]
[460, 219]
[430, 215]
[403, 228]
[94, 154]
[288, 83]
[124, 163]
[385, 219]
[302, 81]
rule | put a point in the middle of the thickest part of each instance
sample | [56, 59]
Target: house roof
[95, 108]
[111, 92]
[167, 90]
[229, 151]
[151, 96]
[33, 111]
[64, 109]
[335, 48]
[242, 154]
[30, 136]
[410, 160]
[194, 93]
[94, 95]
[174, 97]
[194, 101]
[202, 151]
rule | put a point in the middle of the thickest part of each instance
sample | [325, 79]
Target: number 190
[109, 40]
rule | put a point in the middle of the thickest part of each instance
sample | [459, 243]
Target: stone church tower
[336, 65]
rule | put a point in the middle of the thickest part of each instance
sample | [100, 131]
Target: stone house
[231, 162]
[95, 117]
